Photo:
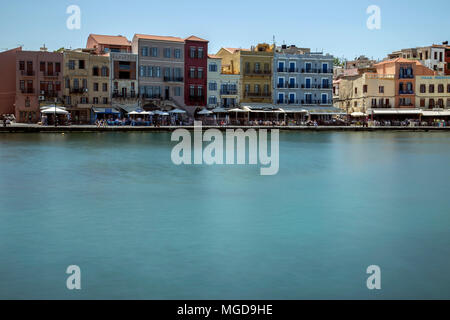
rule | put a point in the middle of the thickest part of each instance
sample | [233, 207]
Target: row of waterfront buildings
[405, 82]
[113, 74]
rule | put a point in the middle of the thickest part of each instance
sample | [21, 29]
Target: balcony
[78, 90]
[316, 102]
[196, 98]
[258, 72]
[383, 105]
[257, 94]
[27, 73]
[49, 94]
[288, 101]
[321, 71]
[50, 74]
[228, 92]
[288, 70]
[117, 95]
[404, 92]
[315, 86]
[406, 76]
[287, 85]
[173, 79]
[27, 91]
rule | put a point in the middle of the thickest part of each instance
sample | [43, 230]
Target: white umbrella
[161, 113]
[146, 113]
[54, 110]
[179, 111]
[358, 114]
[133, 112]
[204, 112]
[219, 110]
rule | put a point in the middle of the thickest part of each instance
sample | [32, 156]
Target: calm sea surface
[140, 227]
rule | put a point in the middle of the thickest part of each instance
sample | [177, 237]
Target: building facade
[302, 78]
[223, 85]
[39, 77]
[86, 83]
[405, 72]
[161, 69]
[256, 74]
[359, 93]
[195, 71]
[103, 44]
[432, 92]
[8, 66]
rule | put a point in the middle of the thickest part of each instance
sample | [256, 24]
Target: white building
[223, 87]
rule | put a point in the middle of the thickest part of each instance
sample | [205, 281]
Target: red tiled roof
[213, 56]
[398, 60]
[111, 40]
[194, 38]
[160, 38]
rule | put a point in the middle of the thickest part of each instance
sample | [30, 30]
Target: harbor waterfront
[141, 227]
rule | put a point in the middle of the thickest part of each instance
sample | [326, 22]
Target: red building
[195, 69]
[8, 81]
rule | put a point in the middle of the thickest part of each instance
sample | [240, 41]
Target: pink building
[8, 81]
[39, 79]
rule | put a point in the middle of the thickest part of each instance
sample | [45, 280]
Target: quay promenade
[34, 128]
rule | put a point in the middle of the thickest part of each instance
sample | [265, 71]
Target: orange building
[404, 72]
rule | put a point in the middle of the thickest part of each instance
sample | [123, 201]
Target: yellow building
[361, 92]
[432, 92]
[255, 69]
[86, 83]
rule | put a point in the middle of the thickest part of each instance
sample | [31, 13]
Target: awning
[294, 110]
[219, 110]
[436, 113]
[177, 111]
[161, 113]
[204, 112]
[237, 110]
[106, 110]
[358, 114]
[397, 111]
[328, 111]
[53, 110]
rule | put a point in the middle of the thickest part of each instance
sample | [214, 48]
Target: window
[213, 86]
[105, 87]
[21, 65]
[80, 64]
[192, 91]
[212, 100]
[247, 88]
[58, 67]
[448, 88]
[95, 71]
[71, 64]
[144, 51]
[422, 103]
[95, 100]
[266, 68]
[356, 90]
[257, 67]
[76, 83]
[105, 100]
[441, 88]
[200, 53]
[192, 52]
[154, 52]
[58, 86]
[213, 67]
[95, 86]
[105, 71]
[423, 88]
[431, 88]
[67, 83]
[85, 83]
[256, 88]
[177, 91]
[22, 85]
[177, 53]
[200, 73]
[200, 91]
[364, 88]
[167, 53]
[158, 72]
[42, 66]
[192, 73]
[266, 89]
[247, 67]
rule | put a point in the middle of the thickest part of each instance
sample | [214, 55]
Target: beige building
[432, 92]
[255, 69]
[86, 83]
[362, 92]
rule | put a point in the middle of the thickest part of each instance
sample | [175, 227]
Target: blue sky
[337, 27]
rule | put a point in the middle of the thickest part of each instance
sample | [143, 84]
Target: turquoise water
[141, 228]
